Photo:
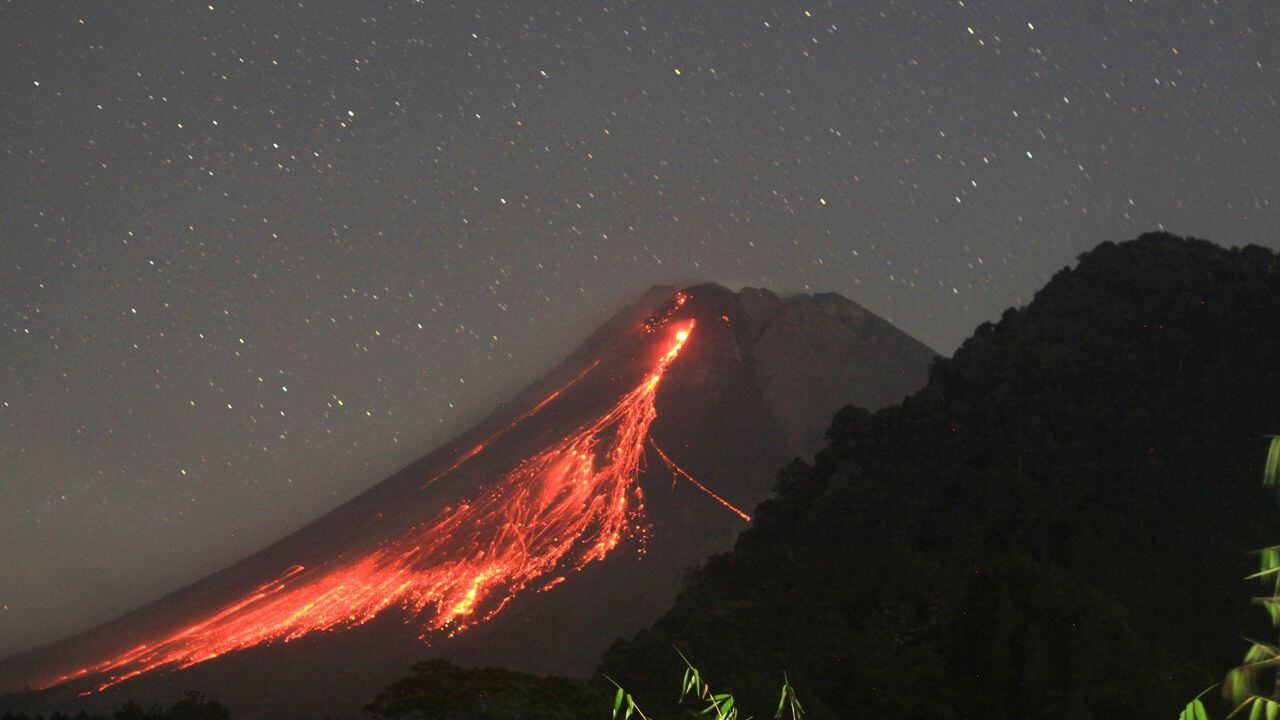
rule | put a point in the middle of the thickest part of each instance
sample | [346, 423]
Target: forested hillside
[1057, 525]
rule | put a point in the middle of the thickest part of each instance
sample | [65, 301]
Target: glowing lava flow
[564, 507]
[463, 458]
[680, 472]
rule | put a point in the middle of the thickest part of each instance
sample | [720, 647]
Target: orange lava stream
[462, 459]
[680, 472]
[559, 510]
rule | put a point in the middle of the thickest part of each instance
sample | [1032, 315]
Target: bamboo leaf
[1195, 709]
[1263, 573]
[1237, 687]
[1273, 462]
[1254, 668]
[1259, 651]
[1272, 604]
[1269, 562]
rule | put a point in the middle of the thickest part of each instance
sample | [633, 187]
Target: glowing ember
[564, 507]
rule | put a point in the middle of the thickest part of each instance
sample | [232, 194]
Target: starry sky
[257, 255]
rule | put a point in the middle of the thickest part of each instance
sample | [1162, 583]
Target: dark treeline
[437, 689]
[193, 706]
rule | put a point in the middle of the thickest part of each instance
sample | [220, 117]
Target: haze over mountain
[1058, 524]
[564, 520]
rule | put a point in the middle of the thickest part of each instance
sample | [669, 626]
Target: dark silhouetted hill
[1057, 525]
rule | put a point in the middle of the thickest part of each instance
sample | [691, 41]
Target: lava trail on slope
[564, 507]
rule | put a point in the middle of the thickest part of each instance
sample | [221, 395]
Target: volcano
[566, 519]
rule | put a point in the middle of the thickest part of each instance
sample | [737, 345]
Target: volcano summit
[564, 520]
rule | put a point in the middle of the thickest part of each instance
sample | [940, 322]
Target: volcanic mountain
[564, 520]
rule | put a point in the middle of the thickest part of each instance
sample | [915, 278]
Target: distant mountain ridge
[1058, 524]
[673, 413]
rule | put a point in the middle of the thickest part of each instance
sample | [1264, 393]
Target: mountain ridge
[709, 398]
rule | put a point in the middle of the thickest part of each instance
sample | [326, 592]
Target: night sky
[258, 255]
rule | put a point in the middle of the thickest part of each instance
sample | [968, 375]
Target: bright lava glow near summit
[560, 509]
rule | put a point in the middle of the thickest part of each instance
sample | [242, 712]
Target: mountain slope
[1058, 523]
[565, 519]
